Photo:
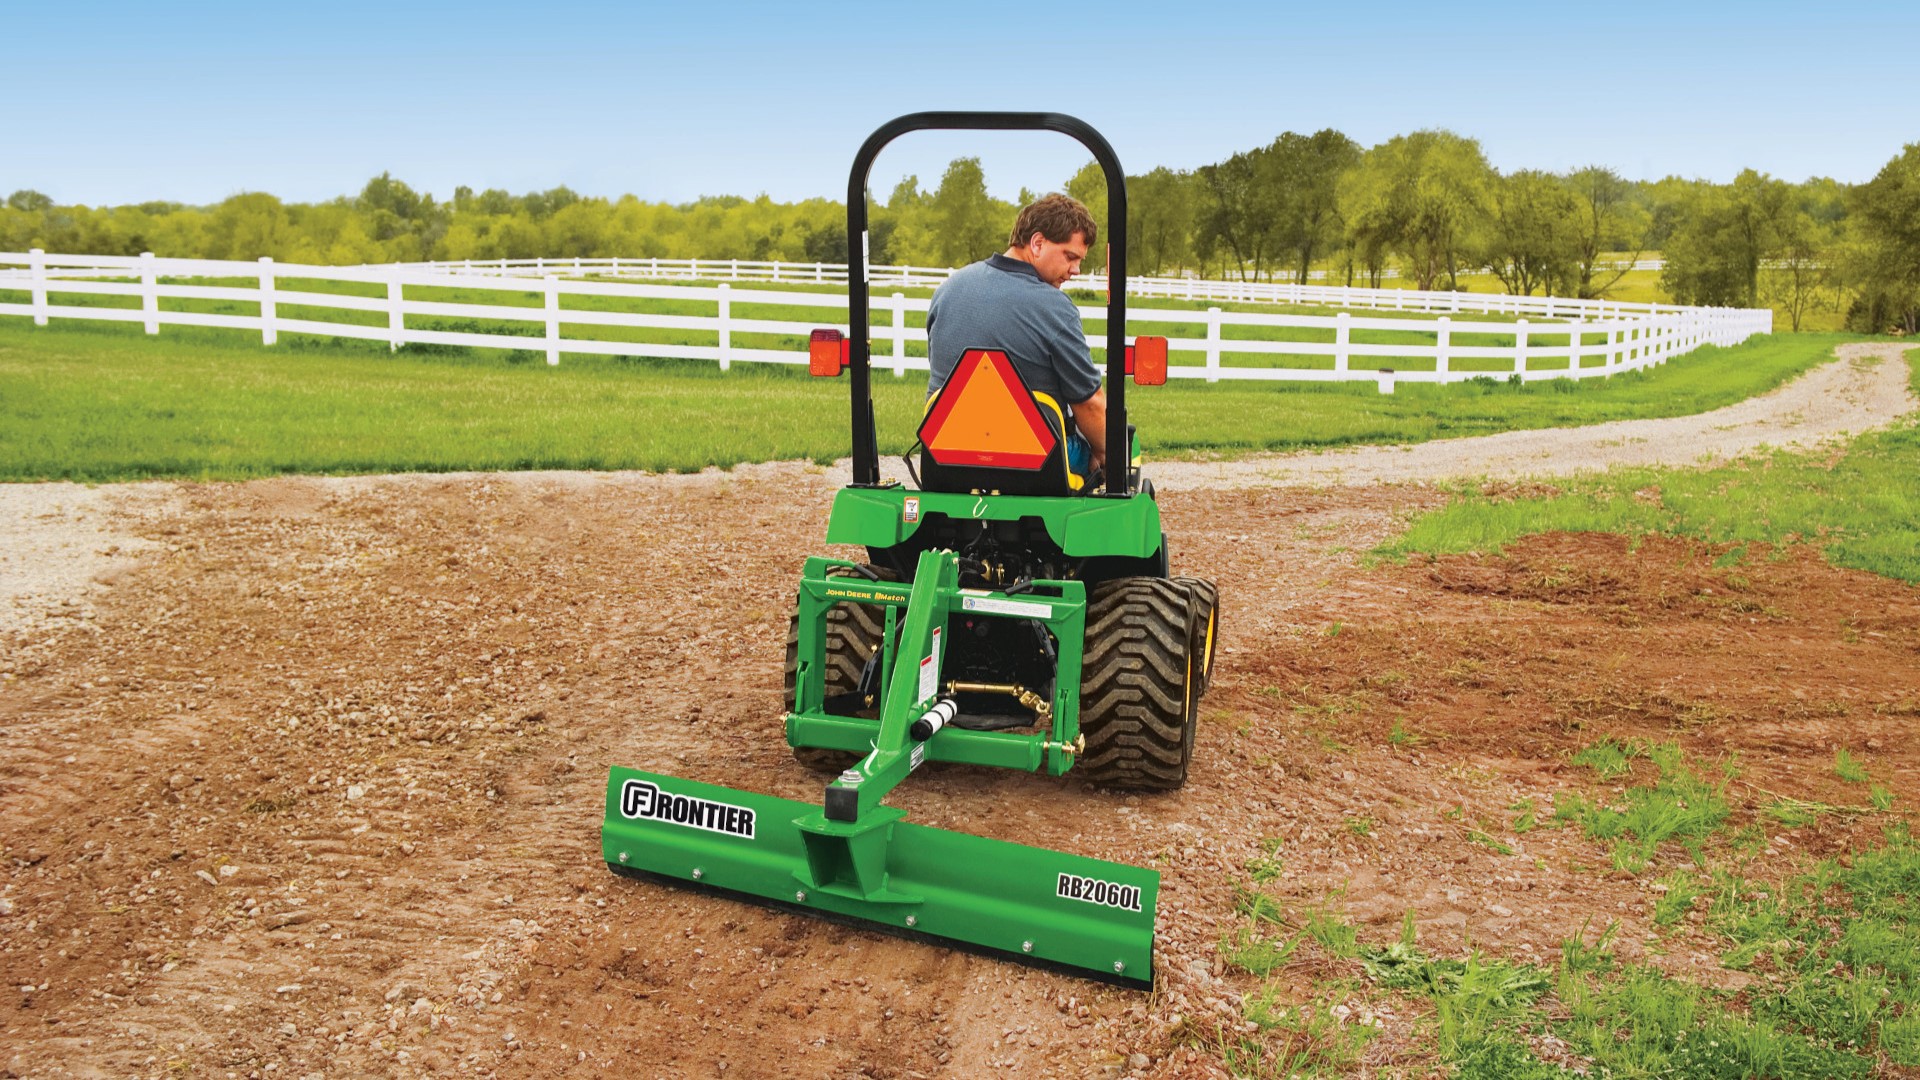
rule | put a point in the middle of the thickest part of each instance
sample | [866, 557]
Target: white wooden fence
[1580, 339]
[760, 270]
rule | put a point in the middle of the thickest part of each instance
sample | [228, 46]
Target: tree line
[1427, 205]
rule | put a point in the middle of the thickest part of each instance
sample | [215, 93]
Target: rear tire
[1138, 687]
[853, 635]
[1206, 625]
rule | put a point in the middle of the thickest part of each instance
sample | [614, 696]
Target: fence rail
[1579, 339]
[1174, 288]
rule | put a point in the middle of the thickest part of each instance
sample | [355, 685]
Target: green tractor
[1008, 614]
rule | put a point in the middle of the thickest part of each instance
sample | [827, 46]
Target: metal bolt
[623, 858]
[1026, 946]
[800, 897]
[913, 920]
[698, 873]
[1119, 966]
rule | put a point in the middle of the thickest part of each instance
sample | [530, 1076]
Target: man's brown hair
[1056, 217]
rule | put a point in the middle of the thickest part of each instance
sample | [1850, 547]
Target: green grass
[104, 402]
[1683, 805]
[1861, 506]
[1835, 951]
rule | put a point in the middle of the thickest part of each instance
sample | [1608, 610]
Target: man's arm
[1090, 416]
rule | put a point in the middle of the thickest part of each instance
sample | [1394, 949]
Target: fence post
[551, 283]
[269, 311]
[1573, 347]
[1442, 347]
[1213, 344]
[150, 292]
[776, 270]
[37, 275]
[899, 334]
[1520, 347]
[396, 314]
[736, 269]
[1342, 335]
[726, 331]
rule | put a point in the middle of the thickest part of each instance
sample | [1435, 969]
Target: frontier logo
[645, 801]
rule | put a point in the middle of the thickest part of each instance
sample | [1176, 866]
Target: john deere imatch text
[1009, 614]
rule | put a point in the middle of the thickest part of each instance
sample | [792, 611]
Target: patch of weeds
[1401, 736]
[1880, 797]
[1900, 1037]
[1360, 826]
[1794, 813]
[1327, 930]
[1255, 954]
[1848, 769]
[1609, 757]
[1303, 1040]
[1525, 819]
[1682, 887]
[1473, 998]
[1641, 1023]
[1333, 629]
[1501, 1056]
[1267, 865]
[1486, 841]
[1681, 806]
[1579, 958]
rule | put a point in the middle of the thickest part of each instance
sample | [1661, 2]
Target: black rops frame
[866, 453]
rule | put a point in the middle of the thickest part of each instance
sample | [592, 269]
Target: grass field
[1862, 505]
[102, 402]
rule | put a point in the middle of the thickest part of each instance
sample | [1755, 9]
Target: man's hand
[1090, 416]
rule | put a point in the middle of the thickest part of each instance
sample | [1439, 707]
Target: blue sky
[113, 103]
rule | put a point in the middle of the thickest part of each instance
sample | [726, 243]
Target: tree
[1237, 210]
[249, 226]
[1089, 185]
[1533, 239]
[29, 201]
[1423, 194]
[1159, 220]
[1722, 238]
[1305, 172]
[1884, 255]
[968, 226]
[1610, 221]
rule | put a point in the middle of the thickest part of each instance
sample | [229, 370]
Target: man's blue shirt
[1001, 303]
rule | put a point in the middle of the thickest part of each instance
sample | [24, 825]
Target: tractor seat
[985, 431]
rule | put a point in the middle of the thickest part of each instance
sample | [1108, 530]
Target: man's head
[1053, 233]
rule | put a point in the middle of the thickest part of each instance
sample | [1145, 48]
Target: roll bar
[866, 453]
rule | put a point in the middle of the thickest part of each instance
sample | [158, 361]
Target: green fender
[1082, 525]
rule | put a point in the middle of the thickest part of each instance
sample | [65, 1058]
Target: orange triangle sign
[985, 416]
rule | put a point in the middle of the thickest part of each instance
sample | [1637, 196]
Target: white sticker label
[1007, 607]
[642, 801]
[930, 670]
[917, 756]
[910, 509]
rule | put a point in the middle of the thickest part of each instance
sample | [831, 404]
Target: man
[1012, 302]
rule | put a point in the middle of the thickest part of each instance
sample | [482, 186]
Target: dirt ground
[315, 787]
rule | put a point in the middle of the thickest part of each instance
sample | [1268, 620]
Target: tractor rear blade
[1090, 916]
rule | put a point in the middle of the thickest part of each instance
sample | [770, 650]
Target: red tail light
[827, 353]
[1147, 361]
